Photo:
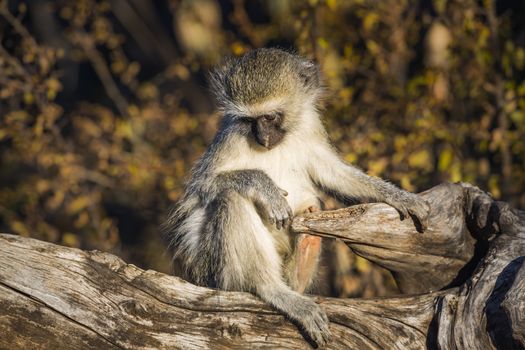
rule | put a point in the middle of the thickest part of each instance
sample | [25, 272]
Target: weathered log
[473, 254]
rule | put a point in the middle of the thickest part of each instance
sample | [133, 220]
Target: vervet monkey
[270, 159]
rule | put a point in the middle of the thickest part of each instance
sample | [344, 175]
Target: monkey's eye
[269, 116]
[245, 119]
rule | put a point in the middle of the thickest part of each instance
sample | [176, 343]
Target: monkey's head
[268, 91]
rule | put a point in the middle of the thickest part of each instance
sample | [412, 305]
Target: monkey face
[267, 129]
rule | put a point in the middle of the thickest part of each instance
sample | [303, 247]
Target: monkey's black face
[267, 129]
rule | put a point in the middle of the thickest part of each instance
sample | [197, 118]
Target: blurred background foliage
[104, 106]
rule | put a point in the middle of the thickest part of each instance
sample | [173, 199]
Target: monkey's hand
[274, 207]
[411, 205]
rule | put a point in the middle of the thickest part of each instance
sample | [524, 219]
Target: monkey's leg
[306, 258]
[251, 263]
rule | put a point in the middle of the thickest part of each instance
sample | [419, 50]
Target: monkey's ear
[311, 75]
[216, 78]
[217, 82]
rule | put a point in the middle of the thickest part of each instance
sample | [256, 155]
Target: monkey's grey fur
[270, 159]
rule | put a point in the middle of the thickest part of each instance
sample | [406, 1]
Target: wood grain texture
[54, 297]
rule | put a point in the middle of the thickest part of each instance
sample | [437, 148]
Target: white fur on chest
[286, 166]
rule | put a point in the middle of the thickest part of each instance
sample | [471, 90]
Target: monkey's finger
[283, 192]
[325, 335]
[286, 222]
[424, 223]
[286, 218]
[421, 224]
[289, 211]
[419, 218]
[288, 215]
[321, 334]
[402, 211]
[420, 214]
[278, 222]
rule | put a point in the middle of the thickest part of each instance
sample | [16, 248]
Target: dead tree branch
[469, 264]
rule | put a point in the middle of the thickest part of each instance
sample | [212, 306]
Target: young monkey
[271, 159]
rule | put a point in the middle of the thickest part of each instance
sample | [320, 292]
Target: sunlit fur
[217, 232]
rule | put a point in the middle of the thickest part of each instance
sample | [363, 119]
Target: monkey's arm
[259, 188]
[344, 181]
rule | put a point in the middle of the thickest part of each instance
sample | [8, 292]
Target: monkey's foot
[314, 321]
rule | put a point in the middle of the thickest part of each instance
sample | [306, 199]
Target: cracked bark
[463, 281]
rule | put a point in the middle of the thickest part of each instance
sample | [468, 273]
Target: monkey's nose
[263, 140]
[266, 141]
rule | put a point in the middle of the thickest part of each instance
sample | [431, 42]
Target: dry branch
[57, 297]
